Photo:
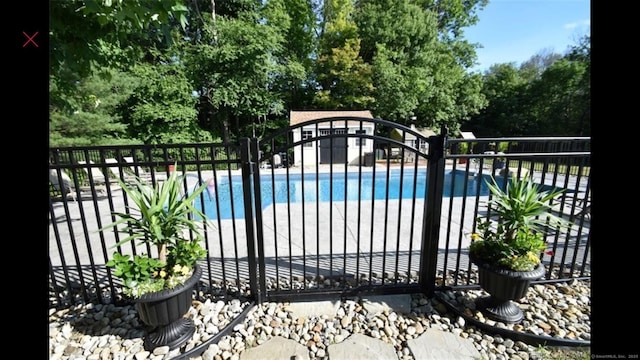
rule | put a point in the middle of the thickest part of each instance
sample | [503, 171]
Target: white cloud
[578, 24]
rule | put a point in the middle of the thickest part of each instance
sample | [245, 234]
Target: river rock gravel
[100, 332]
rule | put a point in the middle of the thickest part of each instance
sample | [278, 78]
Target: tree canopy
[548, 95]
[167, 71]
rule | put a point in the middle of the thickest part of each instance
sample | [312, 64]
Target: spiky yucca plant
[514, 239]
[162, 216]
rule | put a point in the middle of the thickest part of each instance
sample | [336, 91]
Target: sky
[515, 30]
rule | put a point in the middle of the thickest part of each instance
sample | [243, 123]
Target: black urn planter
[504, 286]
[164, 312]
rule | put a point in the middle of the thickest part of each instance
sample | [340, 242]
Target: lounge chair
[115, 170]
[585, 203]
[137, 170]
[96, 175]
[95, 178]
[395, 154]
[577, 202]
[62, 183]
[586, 212]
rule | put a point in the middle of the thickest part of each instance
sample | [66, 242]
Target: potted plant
[463, 148]
[161, 286]
[508, 248]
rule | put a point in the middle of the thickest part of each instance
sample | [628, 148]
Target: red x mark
[30, 39]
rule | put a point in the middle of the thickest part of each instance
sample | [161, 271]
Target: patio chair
[586, 212]
[96, 179]
[396, 154]
[115, 170]
[66, 187]
[585, 203]
[577, 202]
[137, 170]
[96, 174]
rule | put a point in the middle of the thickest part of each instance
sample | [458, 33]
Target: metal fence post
[432, 214]
[248, 168]
[257, 217]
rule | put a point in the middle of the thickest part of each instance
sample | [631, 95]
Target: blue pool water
[325, 188]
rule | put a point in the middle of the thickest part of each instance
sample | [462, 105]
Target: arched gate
[361, 223]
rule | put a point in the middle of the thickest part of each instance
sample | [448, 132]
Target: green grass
[560, 169]
[565, 353]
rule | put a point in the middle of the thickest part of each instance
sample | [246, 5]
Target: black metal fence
[330, 219]
[562, 163]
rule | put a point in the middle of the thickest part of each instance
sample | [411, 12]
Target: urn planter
[504, 286]
[164, 312]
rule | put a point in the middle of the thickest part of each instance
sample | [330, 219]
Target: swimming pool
[324, 187]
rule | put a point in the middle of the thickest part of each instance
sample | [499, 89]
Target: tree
[232, 65]
[161, 110]
[548, 95]
[96, 37]
[505, 90]
[418, 62]
[343, 77]
[561, 100]
[245, 62]
[88, 116]
[534, 67]
[85, 35]
[295, 84]
[347, 83]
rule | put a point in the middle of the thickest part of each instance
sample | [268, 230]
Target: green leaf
[179, 7]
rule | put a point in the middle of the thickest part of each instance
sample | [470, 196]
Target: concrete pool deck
[369, 233]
